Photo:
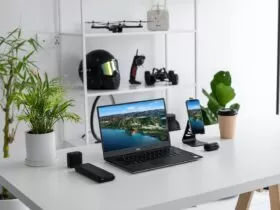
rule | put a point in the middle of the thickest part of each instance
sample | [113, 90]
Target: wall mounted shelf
[134, 33]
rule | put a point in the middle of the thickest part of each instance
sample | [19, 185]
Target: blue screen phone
[195, 116]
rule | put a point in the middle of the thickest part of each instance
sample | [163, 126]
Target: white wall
[239, 35]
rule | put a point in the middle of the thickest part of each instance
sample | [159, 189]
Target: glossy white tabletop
[248, 162]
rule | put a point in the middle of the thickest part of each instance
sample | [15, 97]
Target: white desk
[249, 162]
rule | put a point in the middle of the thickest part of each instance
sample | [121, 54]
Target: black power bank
[95, 173]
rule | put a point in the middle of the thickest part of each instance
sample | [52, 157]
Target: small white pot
[40, 149]
[13, 204]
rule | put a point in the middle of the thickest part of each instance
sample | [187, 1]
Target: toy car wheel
[148, 79]
[170, 74]
[175, 79]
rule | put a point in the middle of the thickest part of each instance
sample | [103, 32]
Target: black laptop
[135, 137]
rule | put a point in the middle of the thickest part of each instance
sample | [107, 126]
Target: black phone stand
[190, 139]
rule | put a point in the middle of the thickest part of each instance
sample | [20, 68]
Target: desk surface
[249, 162]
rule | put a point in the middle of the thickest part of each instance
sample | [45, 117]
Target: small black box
[74, 159]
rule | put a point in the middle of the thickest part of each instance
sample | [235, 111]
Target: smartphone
[195, 116]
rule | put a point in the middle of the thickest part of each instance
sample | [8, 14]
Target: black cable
[98, 140]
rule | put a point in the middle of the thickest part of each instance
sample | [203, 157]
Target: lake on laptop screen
[129, 125]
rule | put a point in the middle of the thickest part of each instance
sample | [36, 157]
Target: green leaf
[220, 77]
[213, 107]
[19, 33]
[27, 57]
[34, 44]
[208, 117]
[235, 106]
[211, 98]
[224, 94]
[12, 33]
[18, 46]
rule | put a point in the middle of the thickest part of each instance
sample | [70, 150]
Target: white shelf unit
[126, 88]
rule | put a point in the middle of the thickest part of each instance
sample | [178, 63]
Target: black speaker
[74, 159]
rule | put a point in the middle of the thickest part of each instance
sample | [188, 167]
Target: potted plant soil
[44, 104]
[15, 65]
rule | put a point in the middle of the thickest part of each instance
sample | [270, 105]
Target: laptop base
[163, 162]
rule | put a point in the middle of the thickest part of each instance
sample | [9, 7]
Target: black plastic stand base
[134, 82]
[190, 139]
[195, 143]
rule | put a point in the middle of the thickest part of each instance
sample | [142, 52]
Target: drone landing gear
[190, 139]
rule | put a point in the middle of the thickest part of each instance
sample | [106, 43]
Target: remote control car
[160, 75]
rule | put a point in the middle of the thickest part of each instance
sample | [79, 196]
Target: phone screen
[195, 116]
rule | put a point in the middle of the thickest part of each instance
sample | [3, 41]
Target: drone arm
[136, 26]
[100, 27]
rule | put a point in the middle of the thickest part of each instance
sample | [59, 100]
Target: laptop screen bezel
[130, 150]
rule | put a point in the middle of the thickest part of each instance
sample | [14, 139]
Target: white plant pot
[40, 149]
[13, 204]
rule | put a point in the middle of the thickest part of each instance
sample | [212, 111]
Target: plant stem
[6, 134]
[7, 118]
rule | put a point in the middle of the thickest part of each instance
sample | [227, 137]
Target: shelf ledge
[124, 89]
[134, 33]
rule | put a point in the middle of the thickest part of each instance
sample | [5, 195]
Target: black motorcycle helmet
[102, 70]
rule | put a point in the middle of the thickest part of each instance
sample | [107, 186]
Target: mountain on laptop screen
[135, 124]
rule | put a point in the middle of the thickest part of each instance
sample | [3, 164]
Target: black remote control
[95, 173]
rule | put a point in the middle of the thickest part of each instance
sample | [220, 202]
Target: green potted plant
[217, 109]
[15, 64]
[221, 94]
[44, 104]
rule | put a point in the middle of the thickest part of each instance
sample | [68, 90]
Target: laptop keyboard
[142, 157]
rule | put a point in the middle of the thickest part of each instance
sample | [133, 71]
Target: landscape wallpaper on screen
[195, 117]
[133, 125]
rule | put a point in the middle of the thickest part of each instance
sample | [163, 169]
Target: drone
[117, 26]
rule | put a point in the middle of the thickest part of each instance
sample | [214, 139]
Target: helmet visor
[110, 67]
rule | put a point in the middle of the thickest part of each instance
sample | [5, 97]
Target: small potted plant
[44, 104]
[217, 109]
[15, 63]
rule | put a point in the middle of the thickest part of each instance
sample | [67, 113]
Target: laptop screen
[133, 125]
